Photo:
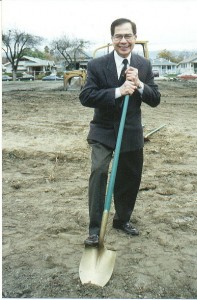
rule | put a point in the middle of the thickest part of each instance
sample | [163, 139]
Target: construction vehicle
[144, 45]
[75, 73]
[81, 74]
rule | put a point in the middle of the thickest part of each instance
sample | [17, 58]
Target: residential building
[164, 66]
[32, 65]
[35, 66]
[80, 60]
[188, 65]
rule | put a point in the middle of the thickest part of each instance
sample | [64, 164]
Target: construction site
[46, 164]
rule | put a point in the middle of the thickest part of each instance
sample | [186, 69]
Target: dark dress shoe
[126, 227]
[92, 240]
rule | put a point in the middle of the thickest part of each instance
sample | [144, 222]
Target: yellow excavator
[75, 73]
[83, 73]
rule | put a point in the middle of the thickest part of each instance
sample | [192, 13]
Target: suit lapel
[111, 72]
[136, 62]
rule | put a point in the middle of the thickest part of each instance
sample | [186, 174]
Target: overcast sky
[166, 24]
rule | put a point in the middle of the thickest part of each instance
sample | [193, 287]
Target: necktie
[122, 77]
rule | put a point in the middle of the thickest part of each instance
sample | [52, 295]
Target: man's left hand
[132, 75]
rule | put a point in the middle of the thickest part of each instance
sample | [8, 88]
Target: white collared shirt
[119, 66]
[119, 62]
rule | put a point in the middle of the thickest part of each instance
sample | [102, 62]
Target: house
[79, 59]
[35, 66]
[32, 65]
[164, 66]
[188, 65]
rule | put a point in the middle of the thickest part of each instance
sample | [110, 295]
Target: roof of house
[192, 58]
[162, 62]
[34, 61]
[82, 54]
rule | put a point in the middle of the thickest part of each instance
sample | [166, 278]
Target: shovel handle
[116, 156]
[153, 131]
[110, 188]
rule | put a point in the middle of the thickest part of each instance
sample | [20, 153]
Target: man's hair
[120, 22]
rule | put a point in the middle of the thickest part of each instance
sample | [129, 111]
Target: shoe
[92, 240]
[126, 227]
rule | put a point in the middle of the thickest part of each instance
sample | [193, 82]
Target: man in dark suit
[109, 79]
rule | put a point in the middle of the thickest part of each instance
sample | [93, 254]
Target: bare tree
[68, 48]
[15, 44]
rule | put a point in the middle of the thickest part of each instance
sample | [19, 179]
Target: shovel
[146, 138]
[97, 263]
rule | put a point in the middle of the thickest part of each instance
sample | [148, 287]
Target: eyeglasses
[119, 37]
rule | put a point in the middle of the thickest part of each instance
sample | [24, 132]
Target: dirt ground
[46, 165]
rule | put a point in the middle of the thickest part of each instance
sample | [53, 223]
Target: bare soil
[46, 165]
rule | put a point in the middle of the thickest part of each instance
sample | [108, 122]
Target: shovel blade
[96, 266]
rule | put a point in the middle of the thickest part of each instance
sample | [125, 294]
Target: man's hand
[132, 75]
[128, 88]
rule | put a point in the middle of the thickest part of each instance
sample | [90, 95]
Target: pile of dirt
[46, 165]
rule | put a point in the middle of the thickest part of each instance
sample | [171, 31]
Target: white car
[6, 78]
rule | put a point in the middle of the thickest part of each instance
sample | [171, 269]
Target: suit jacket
[99, 93]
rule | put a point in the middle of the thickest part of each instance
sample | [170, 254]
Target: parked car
[25, 77]
[52, 77]
[187, 76]
[156, 73]
[6, 78]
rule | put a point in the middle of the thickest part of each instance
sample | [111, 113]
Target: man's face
[123, 39]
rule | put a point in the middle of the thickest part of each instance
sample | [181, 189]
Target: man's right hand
[128, 88]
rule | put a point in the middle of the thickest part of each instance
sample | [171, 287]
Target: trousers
[127, 183]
